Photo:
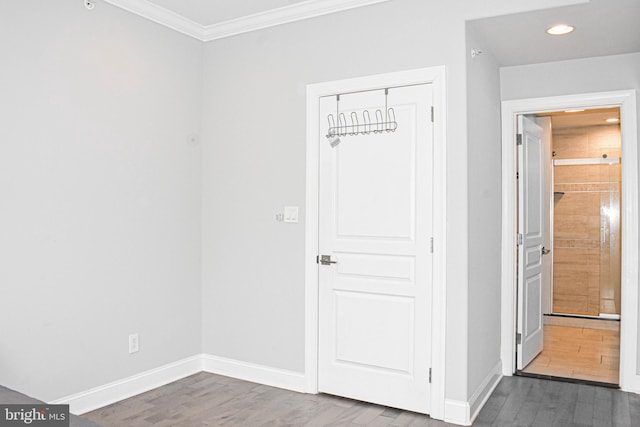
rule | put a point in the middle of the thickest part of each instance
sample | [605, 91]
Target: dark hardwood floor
[211, 400]
[519, 401]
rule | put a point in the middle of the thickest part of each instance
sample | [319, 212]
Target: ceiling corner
[162, 16]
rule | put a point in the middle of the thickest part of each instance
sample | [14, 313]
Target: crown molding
[270, 18]
[282, 15]
[160, 15]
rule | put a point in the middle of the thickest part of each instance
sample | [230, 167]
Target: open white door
[547, 199]
[375, 226]
[530, 241]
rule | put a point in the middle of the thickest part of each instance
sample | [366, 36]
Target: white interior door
[531, 239]
[547, 202]
[376, 224]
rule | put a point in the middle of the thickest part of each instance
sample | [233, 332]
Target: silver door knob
[326, 260]
[545, 251]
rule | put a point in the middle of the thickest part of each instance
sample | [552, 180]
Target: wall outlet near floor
[134, 343]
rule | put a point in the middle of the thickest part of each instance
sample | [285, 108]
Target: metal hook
[366, 117]
[379, 122]
[354, 123]
[332, 125]
[342, 125]
[391, 124]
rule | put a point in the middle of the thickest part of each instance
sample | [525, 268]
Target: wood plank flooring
[579, 353]
[519, 401]
[211, 400]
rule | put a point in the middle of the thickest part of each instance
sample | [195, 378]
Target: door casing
[626, 100]
[436, 77]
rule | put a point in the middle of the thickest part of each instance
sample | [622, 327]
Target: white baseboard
[116, 391]
[107, 394]
[630, 381]
[457, 412]
[484, 390]
[464, 413]
[289, 380]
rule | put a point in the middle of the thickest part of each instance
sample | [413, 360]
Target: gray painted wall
[254, 155]
[99, 195]
[485, 203]
[254, 164]
[609, 73]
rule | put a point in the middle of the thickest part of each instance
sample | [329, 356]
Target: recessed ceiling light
[573, 111]
[560, 29]
[612, 120]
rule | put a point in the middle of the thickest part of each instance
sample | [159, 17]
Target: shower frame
[556, 197]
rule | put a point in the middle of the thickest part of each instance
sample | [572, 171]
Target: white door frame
[626, 100]
[436, 77]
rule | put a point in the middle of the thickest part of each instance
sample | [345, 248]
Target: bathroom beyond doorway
[579, 349]
[586, 161]
[583, 272]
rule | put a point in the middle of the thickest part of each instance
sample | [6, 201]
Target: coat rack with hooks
[339, 125]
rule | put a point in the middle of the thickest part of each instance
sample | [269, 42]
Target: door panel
[375, 223]
[531, 227]
[384, 268]
[374, 330]
[389, 203]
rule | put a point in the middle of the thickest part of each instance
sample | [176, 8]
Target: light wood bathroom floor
[579, 353]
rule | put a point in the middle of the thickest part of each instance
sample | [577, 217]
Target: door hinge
[520, 239]
[317, 259]
[518, 338]
[431, 245]
[429, 375]
[519, 139]
[517, 175]
[432, 114]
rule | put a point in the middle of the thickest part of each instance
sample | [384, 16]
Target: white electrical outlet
[134, 343]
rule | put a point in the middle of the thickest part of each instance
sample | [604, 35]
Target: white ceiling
[595, 117]
[603, 27]
[210, 12]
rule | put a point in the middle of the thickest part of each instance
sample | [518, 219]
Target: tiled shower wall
[586, 261]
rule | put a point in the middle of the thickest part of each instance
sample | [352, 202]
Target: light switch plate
[291, 214]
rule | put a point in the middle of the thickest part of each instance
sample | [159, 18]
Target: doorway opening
[512, 110]
[581, 262]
